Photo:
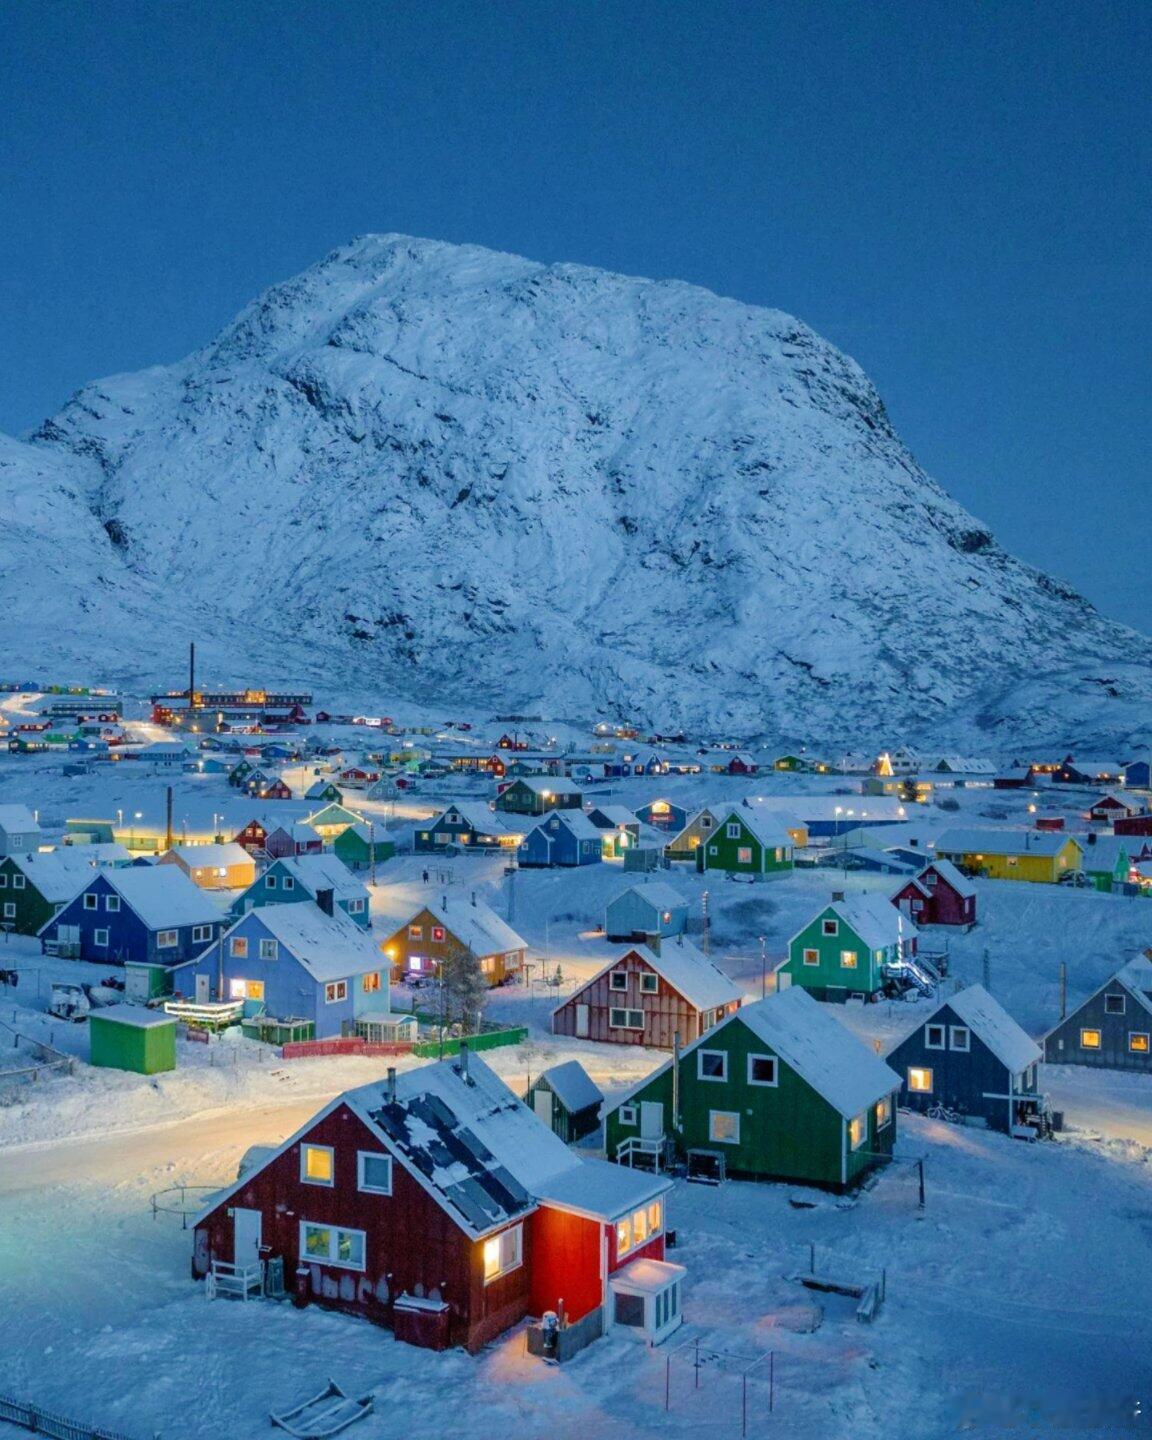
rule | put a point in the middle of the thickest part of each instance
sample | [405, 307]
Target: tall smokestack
[391, 1084]
[192, 675]
[168, 822]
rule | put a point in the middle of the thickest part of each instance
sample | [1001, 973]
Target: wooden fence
[425, 1049]
[35, 1060]
[47, 1422]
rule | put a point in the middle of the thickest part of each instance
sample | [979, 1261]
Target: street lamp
[137, 815]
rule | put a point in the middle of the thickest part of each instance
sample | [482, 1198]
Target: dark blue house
[565, 837]
[471, 827]
[664, 815]
[971, 1057]
[1136, 775]
[1112, 1029]
[293, 962]
[151, 915]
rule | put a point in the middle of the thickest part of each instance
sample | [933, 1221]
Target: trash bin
[303, 1291]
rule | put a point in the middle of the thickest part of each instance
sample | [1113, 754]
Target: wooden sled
[326, 1413]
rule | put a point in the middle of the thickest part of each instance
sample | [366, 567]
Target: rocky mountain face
[435, 472]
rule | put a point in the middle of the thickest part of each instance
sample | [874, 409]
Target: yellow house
[226, 866]
[1012, 854]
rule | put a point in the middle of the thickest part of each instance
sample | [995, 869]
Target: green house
[744, 843]
[528, 796]
[238, 775]
[1107, 860]
[128, 1037]
[778, 1091]
[361, 846]
[33, 887]
[848, 948]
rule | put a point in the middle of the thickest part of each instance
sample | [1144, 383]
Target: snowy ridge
[440, 473]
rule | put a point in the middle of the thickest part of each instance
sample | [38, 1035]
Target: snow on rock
[449, 473]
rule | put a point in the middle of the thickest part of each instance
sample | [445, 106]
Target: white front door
[542, 1104]
[246, 1236]
[202, 996]
[783, 980]
[651, 1120]
[582, 1022]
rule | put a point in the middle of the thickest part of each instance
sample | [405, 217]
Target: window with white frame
[18, 882]
[317, 1165]
[920, 1080]
[334, 991]
[201, 932]
[1114, 1004]
[618, 980]
[289, 883]
[620, 1019]
[811, 957]
[270, 881]
[628, 1114]
[355, 907]
[331, 1245]
[639, 1227]
[100, 938]
[744, 855]
[91, 902]
[9, 910]
[830, 927]
[762, 1070]
[373, 1173]
[934, 1037]
[724, 1127]
[238, 947]
[883, 1113]
[712, 1064]
[503, 1253]
[269, 950]
[960, 1037]
[649, 983]
[1138, 1042]
[733, 830]
[167, 939]
[848, 959]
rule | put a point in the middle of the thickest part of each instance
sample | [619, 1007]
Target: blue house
[566, 837]
[1136, 775]
[664, 815]
[971, 1057]
[308, 877]
[649, 909]
[149, 916]
[472, 827]
[293, 962]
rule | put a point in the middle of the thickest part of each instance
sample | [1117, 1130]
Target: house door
[542, 1104]
[582, 1022]
[906, 908]
[246, 1234]
[651, 1120]
[202, 993]
[783, 980]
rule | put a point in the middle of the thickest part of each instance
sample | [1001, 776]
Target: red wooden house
[279, 839]
[438, 1204]
[743, 765]
[1111, 807]
[939, 895]
[645, 998]
[1132, 825]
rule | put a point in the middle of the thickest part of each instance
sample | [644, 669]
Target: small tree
[463, 989]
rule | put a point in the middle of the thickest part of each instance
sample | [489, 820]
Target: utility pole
[168, 822]
[372, 850]
[1063, 990]
[763, 967]
[706, 935]
[986, 970]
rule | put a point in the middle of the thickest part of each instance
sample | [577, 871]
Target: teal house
[323, 879]
[850, 947]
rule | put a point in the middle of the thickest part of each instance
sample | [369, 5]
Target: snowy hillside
[447, 474]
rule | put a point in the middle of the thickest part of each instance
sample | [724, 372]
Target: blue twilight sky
[958, 194]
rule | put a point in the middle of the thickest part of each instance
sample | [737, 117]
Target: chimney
[473, 897]
[390, 1088]
[326, 899]
[837, 895]
[444, 902]
[463, 1067]
[1092, 837]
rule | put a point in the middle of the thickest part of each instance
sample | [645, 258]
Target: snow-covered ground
[1017, 1298]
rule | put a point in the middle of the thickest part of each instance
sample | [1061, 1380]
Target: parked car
[1076, 878]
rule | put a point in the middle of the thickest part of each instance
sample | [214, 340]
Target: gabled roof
[1136, 978]
[1130, 803]
[574, 820]
[657, 893]
[616, 815]
[872, 917]
[683, 966]
[479, 818]
[544, 784]
[1004, 842]
[18, 818]
[476, 925]
[329, 947]
[949, 873]
[320, 872]
[990, 1022]
[215, 856]
[572, 1086]
[162, 896]
[769, 830]
[58, 875]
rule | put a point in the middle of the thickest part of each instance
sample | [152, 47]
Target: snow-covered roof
[872, 917]
[574, 820]
[949, 873]
[330, 947]
[57, 874]
[16, 819]
[135, 1015]
[1118, 802]
[767, 828]
[684, 967]
[809, 1039]
[475, 925]
[990, 1022]
[596, 1187]
[546, 784]
[321, 872]
[572, 1086]
[657, 893]
[479, 818]
[963, 841]
[857, 809]
[163, 896]
[616, 814]
[221, 856]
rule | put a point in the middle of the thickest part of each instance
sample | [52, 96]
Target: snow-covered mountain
[436, 472]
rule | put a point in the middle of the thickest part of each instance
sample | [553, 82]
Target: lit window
[960, 1038]
[761, 1070]
[848, 959]
[438, 933]
[934, 1037]
[857, 1131]
[374, 1173]
[920, 1080]
[330, 1245]
[655, 1217]
[334, 991]
[415, 932]
[744, 855]
[811, 957]
[883, 1113]
[1090, 1039]
[371, 982]
[237, 989]
[317, 1165]
[711, 1064]
[1138, 1042]
[502, 1253]
[238, 947]
[724, 1127]
[618, 980]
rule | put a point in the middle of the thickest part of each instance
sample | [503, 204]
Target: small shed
[650, 908]
[128, 1037]
[567, 1101]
